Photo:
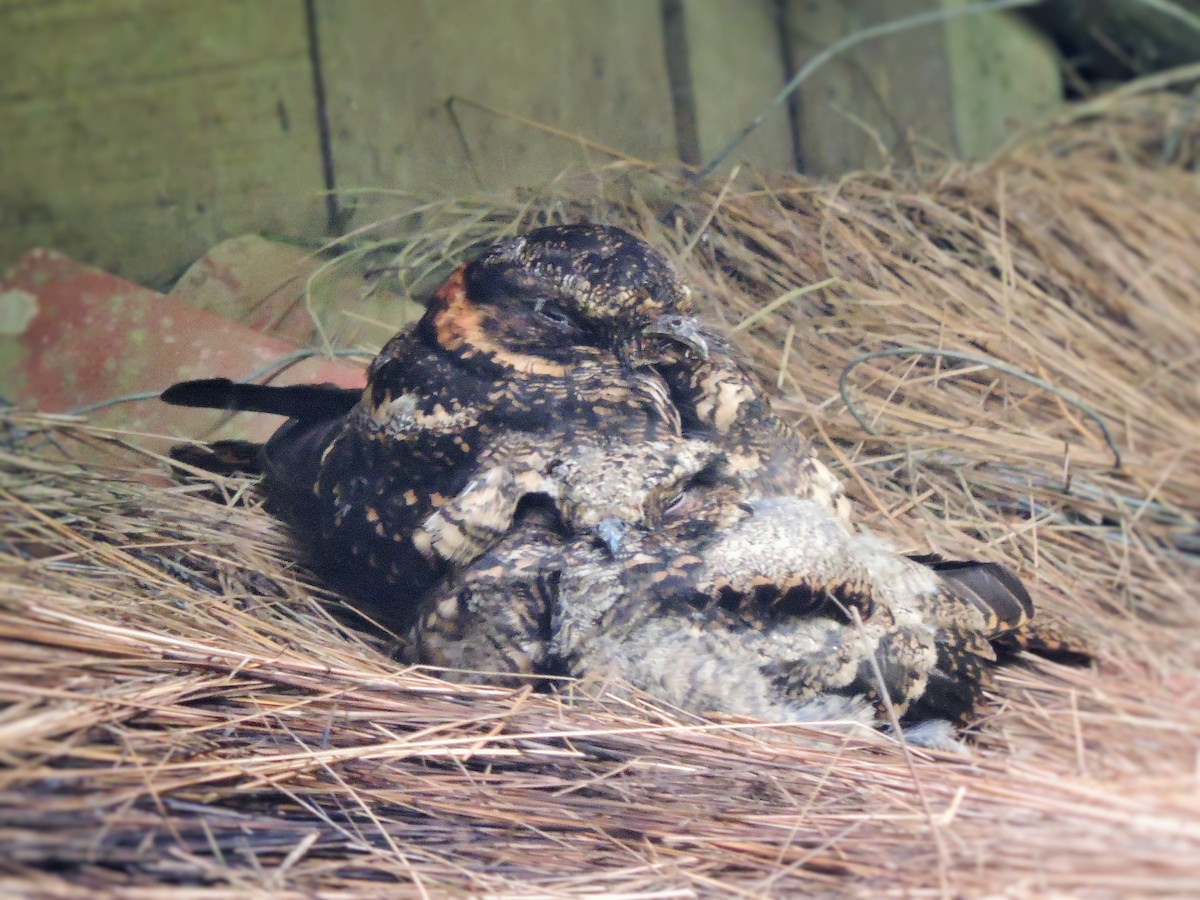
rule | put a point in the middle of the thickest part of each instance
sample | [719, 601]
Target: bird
[542, 334]
[790, 616]
[647, 563]
[719, 398]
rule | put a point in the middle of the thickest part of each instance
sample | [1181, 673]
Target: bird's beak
[612, 532]
[683, 329]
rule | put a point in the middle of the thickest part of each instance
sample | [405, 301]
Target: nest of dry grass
[183, 707]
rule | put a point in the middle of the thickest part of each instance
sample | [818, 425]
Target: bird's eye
[553, 313]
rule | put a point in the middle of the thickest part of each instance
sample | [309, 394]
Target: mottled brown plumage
[789, 614]
[667, 578]
[539, 335]
[721, 400]
[593, 480]
[492, 613]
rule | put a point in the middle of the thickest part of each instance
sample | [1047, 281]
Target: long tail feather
[307, 402]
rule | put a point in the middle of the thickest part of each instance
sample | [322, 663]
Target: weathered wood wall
[136, 133]
[595, 69]
[955, 89]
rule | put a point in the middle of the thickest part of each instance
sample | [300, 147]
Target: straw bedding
[184, 708]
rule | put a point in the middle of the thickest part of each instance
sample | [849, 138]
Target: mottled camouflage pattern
[540, 336]
[558, 468]
[772, 607]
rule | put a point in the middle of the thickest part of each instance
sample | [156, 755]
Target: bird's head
[560, 296]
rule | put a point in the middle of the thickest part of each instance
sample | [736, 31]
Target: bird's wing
[221, 457]
[993, 589]
[309, 406]
[1048, 638]
[509, 469]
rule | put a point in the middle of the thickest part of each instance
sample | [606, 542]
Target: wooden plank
[956, 88]
[596, 69]
[136, 133]
[1006, 74]
[736, 57]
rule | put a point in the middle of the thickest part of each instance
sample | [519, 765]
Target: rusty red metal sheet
[72, 335]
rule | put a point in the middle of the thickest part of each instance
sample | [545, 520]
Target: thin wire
[844, 385]
[852, 40]
[279, 363]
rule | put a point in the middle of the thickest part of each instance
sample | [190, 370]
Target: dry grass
[185, 709]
